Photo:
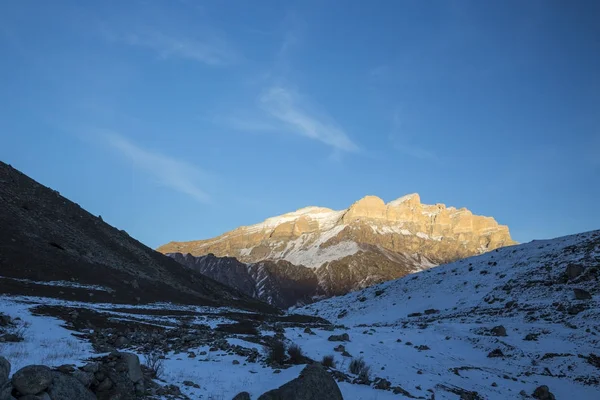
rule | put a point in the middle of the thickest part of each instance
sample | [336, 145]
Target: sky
[181, 120]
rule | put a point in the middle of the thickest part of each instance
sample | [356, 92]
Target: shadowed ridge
[50, 246]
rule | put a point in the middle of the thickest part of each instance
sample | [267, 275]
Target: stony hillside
[368, 243]
[495, 326]
[50, 246]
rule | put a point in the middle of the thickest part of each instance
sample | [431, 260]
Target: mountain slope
[276, 282]
[509, 320]
[50, 246]
[368, 243]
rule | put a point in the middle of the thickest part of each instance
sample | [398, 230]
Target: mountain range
[317, 252]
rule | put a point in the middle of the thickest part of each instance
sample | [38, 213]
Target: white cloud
[416, 152]
[173, 173]
[295, 115]
[209, 50]
[402, 141]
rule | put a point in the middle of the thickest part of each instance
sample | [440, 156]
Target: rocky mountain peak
[367, 243]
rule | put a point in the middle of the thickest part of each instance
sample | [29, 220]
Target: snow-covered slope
[545, 294]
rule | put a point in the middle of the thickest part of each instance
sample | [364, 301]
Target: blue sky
[179, 120]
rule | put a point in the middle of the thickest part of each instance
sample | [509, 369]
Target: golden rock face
[315, 236]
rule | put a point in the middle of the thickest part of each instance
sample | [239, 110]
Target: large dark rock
[86, 378]
[498, 331]
[344, 337]
[118, 376]
[574, 270]
[6, 390]
[65, 387]
[4, 370]
[32, 379]
[314, 383]
[543, 393]
[134, 370]
[581, 294]
[242, 396]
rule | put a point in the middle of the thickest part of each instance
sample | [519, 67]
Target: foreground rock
[4, 370]
[32, 379]
[38, 382]
[65, 387]
[118, 374]
[314, 383]
[543, 393]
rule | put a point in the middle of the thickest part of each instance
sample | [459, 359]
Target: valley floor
[453, 359]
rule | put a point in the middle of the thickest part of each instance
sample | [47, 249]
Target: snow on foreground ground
[441, 349]
[552, 337]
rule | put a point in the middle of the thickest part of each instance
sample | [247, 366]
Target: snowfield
[430, 333]
[452, 308]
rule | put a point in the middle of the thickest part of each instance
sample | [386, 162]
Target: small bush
[277, 353]
[359, 367]
[328, 361]
[12, 330]
[295, 353]
[155, 363]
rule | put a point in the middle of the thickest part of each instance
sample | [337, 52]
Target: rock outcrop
[314, 383]
[317, 251]
[403, 225]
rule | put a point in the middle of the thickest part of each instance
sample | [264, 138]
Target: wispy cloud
[298, 116]
[170, 172]
[403, 142]
[380, 71]
[415, 151]
[210, 50]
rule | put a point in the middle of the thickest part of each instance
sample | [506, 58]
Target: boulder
[242, 396]
[121, 341]
[495, 353]
[32, 379]
[543, 393]
[344, 337]
[91, 367]
[314, 383]
[6, 391]
[65, 387]
[581, 294]
[4, 370]
[498, 331]
[134, 368]
[573, 271]
[86, 378]
[11, 338]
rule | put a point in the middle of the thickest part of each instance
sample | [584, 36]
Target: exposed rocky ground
[317, 252]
